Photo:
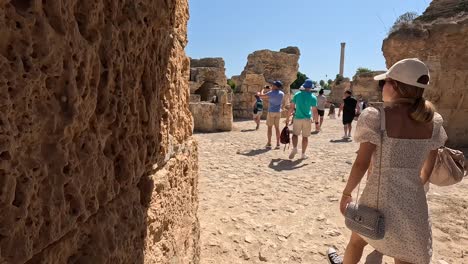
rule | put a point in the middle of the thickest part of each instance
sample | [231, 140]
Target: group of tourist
[303, 106]
[398, 149]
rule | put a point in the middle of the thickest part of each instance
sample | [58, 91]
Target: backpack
[285, 138]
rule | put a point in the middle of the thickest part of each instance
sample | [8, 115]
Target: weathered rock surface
[210, 95]
[97, 164]
[263, 67]
[205, 74]
[439, 38]
[337, 90]
[364, 85]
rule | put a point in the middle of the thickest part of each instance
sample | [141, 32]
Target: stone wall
[263, 67]
[439, 38]
[364, 85]
[338, 89]
[97, 162]
[211, 96]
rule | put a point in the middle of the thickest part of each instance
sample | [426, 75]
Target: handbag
[449, 167]
[364, 220]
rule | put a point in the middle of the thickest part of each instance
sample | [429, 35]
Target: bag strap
[382, 131]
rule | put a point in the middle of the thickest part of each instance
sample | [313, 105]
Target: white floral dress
[402, 197]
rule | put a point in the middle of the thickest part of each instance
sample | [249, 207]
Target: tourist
[331, 111]
[302, 103]
[257, 110]
[413, 133]
[321, 102]
[349, 111]
[275, 102]
[360, 106]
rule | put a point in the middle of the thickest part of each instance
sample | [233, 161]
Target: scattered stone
[333, 232]
[282, 238]
[320, 218]
[261, 256]
[245, 255]
[442, 262]
[333, 199]
[249, 239]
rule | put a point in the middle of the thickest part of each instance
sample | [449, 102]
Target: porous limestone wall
[97, 162]
[264, 67]
[440, 38]
[364, 85]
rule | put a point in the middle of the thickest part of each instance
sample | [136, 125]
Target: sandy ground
[257, 206]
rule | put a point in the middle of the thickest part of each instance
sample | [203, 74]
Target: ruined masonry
[97, 159]
[439, 38]
[263, 67]
[210, 95]
[364, 85]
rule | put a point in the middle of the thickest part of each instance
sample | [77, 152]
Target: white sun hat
[409, 71]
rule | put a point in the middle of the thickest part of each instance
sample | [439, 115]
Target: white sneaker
[293, 153]
[304, 156]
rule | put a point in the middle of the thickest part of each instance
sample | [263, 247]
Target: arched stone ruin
[210, 98]
[97, 162]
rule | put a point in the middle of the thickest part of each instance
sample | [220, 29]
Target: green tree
[329, 82]
[300, 79]
[338, 79]
[322, 83]
[362, 70]
[231, 83]
[403, 20]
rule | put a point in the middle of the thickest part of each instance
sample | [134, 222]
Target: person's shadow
[342, 140]
[248, 130]
[282, 164]
[374, 258]
[254, 152]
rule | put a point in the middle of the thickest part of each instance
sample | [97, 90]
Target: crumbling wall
[97, 162]
[364, 85]
[211, 96]
[337, 90]
[439, 38]
[264, 67]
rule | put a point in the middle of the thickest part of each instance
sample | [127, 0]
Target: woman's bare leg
[354, 249]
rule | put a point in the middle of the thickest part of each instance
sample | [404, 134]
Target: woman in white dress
[413, 134]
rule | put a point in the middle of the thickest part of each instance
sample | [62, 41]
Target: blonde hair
[422, 110]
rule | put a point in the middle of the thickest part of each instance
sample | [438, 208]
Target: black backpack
[285, 138]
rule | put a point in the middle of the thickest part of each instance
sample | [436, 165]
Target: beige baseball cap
[410, 71]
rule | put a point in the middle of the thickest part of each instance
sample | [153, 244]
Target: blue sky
[232, 29]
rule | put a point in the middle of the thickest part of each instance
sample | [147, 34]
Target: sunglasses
[382, 82]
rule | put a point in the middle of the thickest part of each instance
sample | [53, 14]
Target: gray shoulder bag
[364, 220]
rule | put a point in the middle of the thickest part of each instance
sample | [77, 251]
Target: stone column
[343, 44]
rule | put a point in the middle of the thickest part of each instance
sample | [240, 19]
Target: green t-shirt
[304, 101]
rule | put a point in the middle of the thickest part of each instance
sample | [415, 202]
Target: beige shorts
[303, 126]
[273, 119]
[257, 115]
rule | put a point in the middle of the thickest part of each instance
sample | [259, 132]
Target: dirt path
[256, 206]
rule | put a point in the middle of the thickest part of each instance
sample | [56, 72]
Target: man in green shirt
[302, 103]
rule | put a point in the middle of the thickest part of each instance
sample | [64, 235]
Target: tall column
[343, 44]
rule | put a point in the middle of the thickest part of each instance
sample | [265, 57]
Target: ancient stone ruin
[210, 96]
[364, 85]
[338, 87]
[97, 162]
[262, 67]
[439, 38]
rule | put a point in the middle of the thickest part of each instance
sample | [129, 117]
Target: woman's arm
[360, 166]
[428, 166]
